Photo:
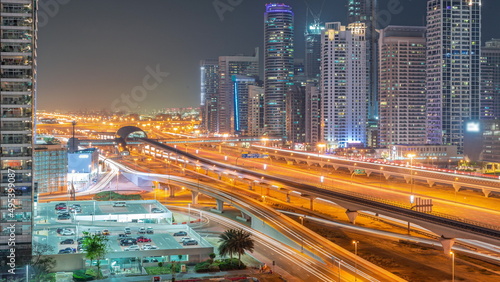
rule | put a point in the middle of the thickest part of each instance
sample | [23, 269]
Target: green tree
[235, 241]
[96, 248]
[42, 264]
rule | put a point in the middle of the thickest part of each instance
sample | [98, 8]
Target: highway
[489, 233]
[313, 243]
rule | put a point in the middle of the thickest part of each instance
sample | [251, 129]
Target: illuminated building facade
[453, 68]
[18, 91]
[344, 87]
[278, 65]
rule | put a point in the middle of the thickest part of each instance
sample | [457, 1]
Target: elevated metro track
[448, 227]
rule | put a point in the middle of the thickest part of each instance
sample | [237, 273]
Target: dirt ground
[409, 261]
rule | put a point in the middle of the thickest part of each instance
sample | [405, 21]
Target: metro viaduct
[447, 228]
[455, 180]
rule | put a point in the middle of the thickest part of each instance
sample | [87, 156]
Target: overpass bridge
[271, 222]
[447, 226]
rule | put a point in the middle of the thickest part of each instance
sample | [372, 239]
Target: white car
[133, 248]
[68, 232]
[185, 239]
[149, 247]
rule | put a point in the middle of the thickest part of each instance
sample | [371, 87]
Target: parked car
[60, 206]
[142, 239]
[105, 232]
[63, 217]
[127, 230]
[142, 230]
[67, 232]
[185, 239]
[128, 242]
[133, 248]
[149, 247]
[67, 242]
[62, 212]
[180, 233]
[156, 210]
[190, 242]
[67, 251]
[150, 230]
[121, 235]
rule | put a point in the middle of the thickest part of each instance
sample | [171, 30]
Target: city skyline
[92, 67]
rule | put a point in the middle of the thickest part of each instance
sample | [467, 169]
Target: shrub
[80, 275]
[213, 268]
[202, 267]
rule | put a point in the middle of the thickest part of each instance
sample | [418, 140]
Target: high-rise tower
[229, 66]
[18, 91]
[402, 85]
[490, 80]
[453, 68]
[278, 65]
[209, 70]
[344, 88]
[364, 11]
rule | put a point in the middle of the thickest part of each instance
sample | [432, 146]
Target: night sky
[92, 52]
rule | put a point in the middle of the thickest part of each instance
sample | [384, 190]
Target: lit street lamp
[411, 156]
[356, 259]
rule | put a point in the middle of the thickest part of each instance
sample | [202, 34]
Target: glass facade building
[490, 80]
[18, 91]
[453, 69]
[51, 168]
[278, 65]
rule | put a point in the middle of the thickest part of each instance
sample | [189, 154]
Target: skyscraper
[364, 11]
[453, 68]
[313, 115]
[229, 66]
[296, 113]
[278, 65]
[490, 80]
[344, 88]
[240, 96]
[402, 85]
[209, 70]
[18, 92]
[313, 51]
[255, 110]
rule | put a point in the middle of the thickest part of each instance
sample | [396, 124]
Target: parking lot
[62, 234]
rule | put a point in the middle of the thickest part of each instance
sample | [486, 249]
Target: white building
[344, 86]
[453, 68]
[255, 110]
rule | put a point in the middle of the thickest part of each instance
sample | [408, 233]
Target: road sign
[359, 172]
[254, 156]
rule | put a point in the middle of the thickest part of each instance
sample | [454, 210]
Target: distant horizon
[88, 63]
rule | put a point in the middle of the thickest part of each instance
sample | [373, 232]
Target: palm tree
[235, 241]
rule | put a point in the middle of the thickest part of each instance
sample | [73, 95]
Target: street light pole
[356, 259]
[411, 177]
[452, 266]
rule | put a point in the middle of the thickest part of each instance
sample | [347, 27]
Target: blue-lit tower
[278, 65]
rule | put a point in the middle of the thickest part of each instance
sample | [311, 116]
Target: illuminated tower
[364, 11]
[344, 89]
[18, 91]
[490, 79]
[453, 68]
[278, 65]
[402, 85]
